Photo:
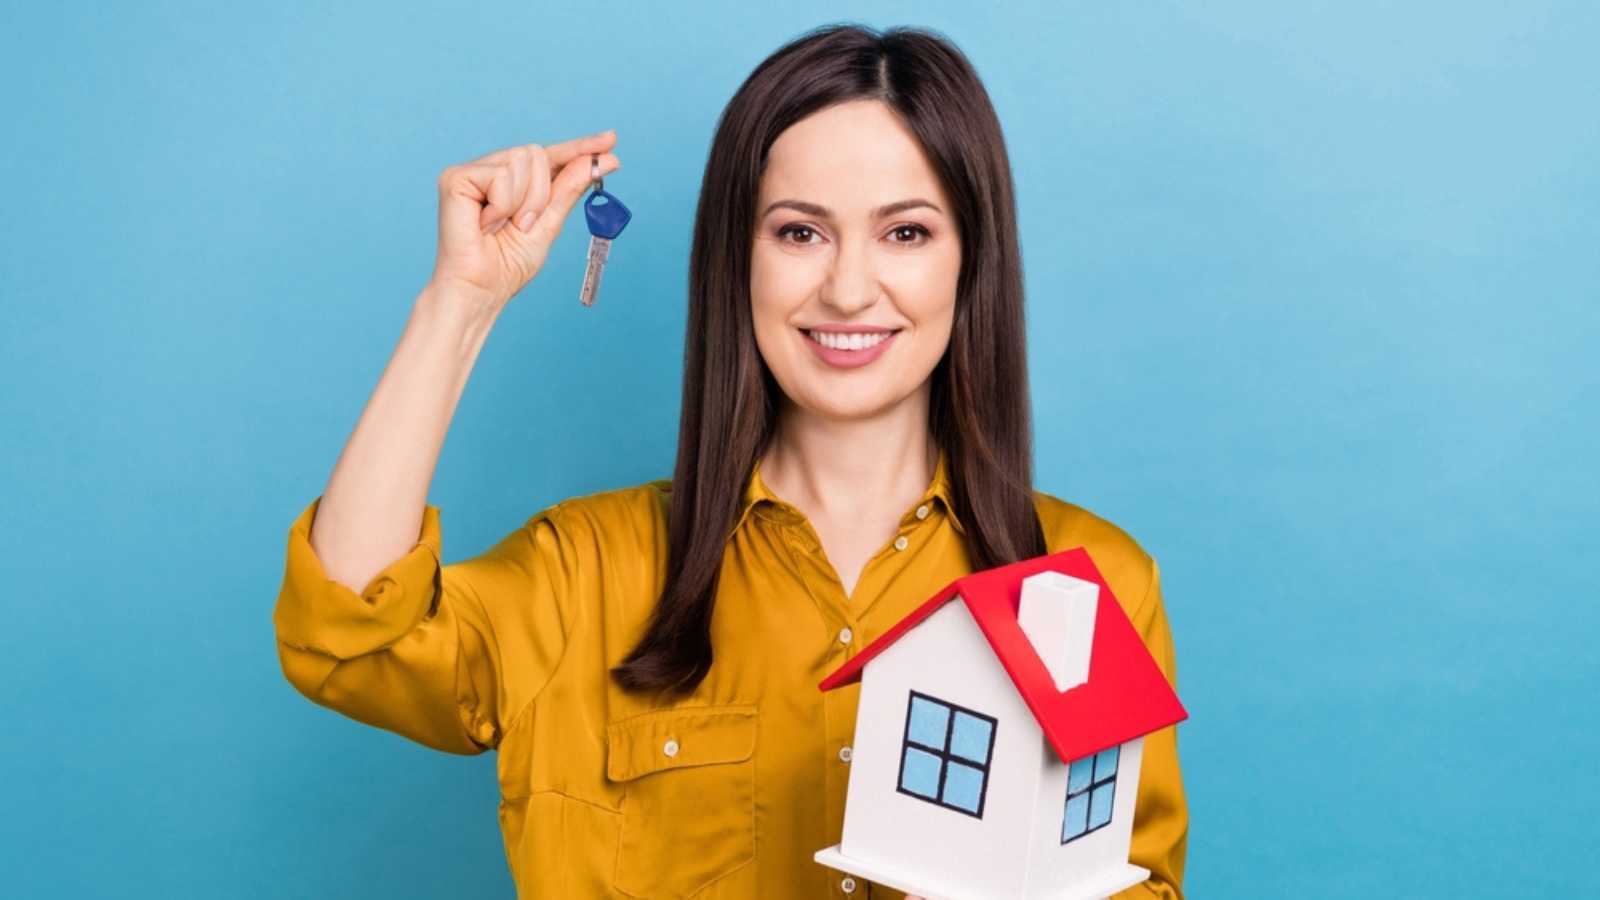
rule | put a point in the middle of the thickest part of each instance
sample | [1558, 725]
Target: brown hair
[979, 406]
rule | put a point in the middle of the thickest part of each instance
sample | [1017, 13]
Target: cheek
[928, 294]
[771, 288]
[778, 285]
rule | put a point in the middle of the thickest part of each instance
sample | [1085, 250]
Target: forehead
[851, 155]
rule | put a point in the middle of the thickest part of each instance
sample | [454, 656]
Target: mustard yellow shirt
[511, 650]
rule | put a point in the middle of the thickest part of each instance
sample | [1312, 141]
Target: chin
[845, 405]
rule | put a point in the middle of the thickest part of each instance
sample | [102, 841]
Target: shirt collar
[760, 500]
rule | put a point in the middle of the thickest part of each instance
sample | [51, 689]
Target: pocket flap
[675, 738]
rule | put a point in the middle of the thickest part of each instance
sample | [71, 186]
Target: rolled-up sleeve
[445, 655]
[1161, 812]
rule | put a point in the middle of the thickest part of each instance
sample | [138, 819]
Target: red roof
[1126, 696]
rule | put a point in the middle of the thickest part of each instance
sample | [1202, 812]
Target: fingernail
[499, 224]
[526, 221]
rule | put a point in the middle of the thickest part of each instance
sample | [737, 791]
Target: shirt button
[844, 753]
[922, 511]
[844, 635]
[900, 542]
[848, 885]
[670, 748]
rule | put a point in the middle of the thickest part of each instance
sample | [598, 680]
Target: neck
[846, 470]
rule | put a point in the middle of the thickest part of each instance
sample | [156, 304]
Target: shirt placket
[847, 634]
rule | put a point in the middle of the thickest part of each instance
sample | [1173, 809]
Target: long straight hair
[979, 406]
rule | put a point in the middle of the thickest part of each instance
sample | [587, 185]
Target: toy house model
[998, 739]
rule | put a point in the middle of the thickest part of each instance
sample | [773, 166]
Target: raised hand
[499, 214]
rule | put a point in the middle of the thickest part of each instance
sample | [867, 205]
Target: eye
[797, 228]
[912, 228]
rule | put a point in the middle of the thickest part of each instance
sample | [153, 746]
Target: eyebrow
[812, 209]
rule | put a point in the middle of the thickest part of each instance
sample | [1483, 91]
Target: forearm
[372, 507]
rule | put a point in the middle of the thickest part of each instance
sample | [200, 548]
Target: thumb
[570, 184]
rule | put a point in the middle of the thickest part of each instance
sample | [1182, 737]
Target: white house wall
[1056, 865]
[946, 657]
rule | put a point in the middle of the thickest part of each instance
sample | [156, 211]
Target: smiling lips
[848, 341]
[848, 349]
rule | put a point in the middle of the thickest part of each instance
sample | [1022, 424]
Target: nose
[851, 285]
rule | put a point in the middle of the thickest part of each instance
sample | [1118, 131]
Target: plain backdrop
[1312, 315]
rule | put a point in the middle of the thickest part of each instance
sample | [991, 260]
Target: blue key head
[606, 220]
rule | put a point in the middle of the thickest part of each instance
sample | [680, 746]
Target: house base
[1103, 885]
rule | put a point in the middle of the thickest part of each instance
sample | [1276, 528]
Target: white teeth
[856, 341]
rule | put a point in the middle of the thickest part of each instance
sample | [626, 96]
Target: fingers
[521, 177]
[517, 184]
[559, 154]
[463, 192]
[565, 152]
[569, 185]
[536, 189]
[532, 168]
[497, 182]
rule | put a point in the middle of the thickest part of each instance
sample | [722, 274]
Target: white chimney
[1057, 614]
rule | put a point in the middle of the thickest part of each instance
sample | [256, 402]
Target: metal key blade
[599, 249]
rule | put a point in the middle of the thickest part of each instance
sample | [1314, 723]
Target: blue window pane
[920, 773]
[970, 738]
[1078, 775]
[1074, 822]
[1105, 763]
[963, 785]
[928, 721]
[1100, 804]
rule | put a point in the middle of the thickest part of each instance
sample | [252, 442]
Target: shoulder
[1129, 569]
[614, 511]
[1067, 525]
[613, 540]
[621, 523]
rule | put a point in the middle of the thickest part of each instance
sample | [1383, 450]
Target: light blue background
[1312, 312]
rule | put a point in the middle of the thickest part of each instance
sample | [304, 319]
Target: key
[606, 221]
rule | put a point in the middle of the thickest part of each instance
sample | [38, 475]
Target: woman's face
[854, 237]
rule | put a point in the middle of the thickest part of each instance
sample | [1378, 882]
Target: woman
[855, 433]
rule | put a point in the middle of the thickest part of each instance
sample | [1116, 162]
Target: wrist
[461, 296]
[455, 315]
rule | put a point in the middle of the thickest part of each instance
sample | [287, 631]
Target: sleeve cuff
[319, 614]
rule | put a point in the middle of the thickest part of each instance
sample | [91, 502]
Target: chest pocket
[688, 805]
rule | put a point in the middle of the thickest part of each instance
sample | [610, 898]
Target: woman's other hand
[499, 214]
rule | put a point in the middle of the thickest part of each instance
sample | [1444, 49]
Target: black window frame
[945, 756]
[1088, 791]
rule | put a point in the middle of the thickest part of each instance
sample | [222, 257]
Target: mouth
[849, 343]
[848, 351]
